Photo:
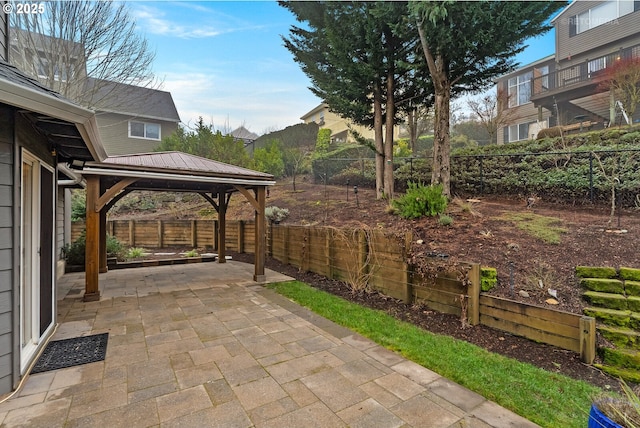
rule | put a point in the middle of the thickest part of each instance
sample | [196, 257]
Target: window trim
[509, 140]
[594, 21]
[145, 130]
[514, 97]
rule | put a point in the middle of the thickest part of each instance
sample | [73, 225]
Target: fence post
[587, 339]
[132, 233]
[241, 236]
[194, 234]
[304, 262]
[215, 235]
[473, 307]
[160, 241]
[110, 228]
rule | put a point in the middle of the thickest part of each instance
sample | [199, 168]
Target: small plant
[625, 411]
[74, 253]
[192, 253]
[445, 220]
[135, 253]
[421, 201]
[275, 214]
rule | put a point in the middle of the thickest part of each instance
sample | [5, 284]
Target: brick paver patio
[203, 345]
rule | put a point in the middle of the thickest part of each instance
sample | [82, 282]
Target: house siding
[114, 131]
[604, 37]
[6, 248]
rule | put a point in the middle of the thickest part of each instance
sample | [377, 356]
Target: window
[44, 67]
[520, 89]
[519, 131]
[149, 131]
[601, 14]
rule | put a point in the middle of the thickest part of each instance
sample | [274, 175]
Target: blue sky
[225, 61]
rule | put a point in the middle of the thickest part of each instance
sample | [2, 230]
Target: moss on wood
[610, 316]
[596, 272]
[603, 285]
[606, 300]
[488, 278]
[631, 274]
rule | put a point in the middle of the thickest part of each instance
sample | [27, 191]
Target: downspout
[76, 179]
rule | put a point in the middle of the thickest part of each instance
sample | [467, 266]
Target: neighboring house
[339, 127]
[38, 130]
[247, 137]
[133, 119]
[564, 89]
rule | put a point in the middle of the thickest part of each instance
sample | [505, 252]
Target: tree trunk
[438, 69]
[388, 143]
[441, 173]
[379, 142]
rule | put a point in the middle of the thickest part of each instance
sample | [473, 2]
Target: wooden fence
[373, 258]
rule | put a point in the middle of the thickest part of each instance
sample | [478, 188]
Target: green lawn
[548, 399]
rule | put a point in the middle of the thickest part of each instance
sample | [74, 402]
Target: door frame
[30, 261]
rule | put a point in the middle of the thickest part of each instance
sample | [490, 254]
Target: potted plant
[616, 412]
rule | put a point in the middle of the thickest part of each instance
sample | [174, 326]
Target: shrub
[421, 201]
[74, 253]
[445, 220]
[275, 214]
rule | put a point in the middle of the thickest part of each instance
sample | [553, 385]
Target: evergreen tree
[359, 58]
[466, 44]
[207, 143]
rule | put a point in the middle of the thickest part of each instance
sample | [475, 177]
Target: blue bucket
[597, 419]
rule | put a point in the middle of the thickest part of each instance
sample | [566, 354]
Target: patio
[204, 345]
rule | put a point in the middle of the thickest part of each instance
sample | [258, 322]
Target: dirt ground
[529, 269]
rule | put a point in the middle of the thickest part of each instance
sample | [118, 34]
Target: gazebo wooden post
[260, 230]
[92, 249]
[222, 212]
[103, 240]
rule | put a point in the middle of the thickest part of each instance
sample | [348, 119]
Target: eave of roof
[316, 109]
[25, 93]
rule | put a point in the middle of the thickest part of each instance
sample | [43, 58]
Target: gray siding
[606, 38]
[6, 248]
[114, 131]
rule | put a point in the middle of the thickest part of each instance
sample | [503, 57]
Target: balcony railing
[587, 71]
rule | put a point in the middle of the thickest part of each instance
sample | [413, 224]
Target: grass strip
[547, 229]
[548, 399]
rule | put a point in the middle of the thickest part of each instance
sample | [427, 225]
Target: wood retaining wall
[372, 257]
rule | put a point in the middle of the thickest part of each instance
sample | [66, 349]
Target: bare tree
[82, 50]
[492, 112]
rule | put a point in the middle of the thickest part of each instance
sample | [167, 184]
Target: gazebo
[108, 181]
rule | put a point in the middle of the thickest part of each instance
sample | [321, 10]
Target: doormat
[60, 354]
